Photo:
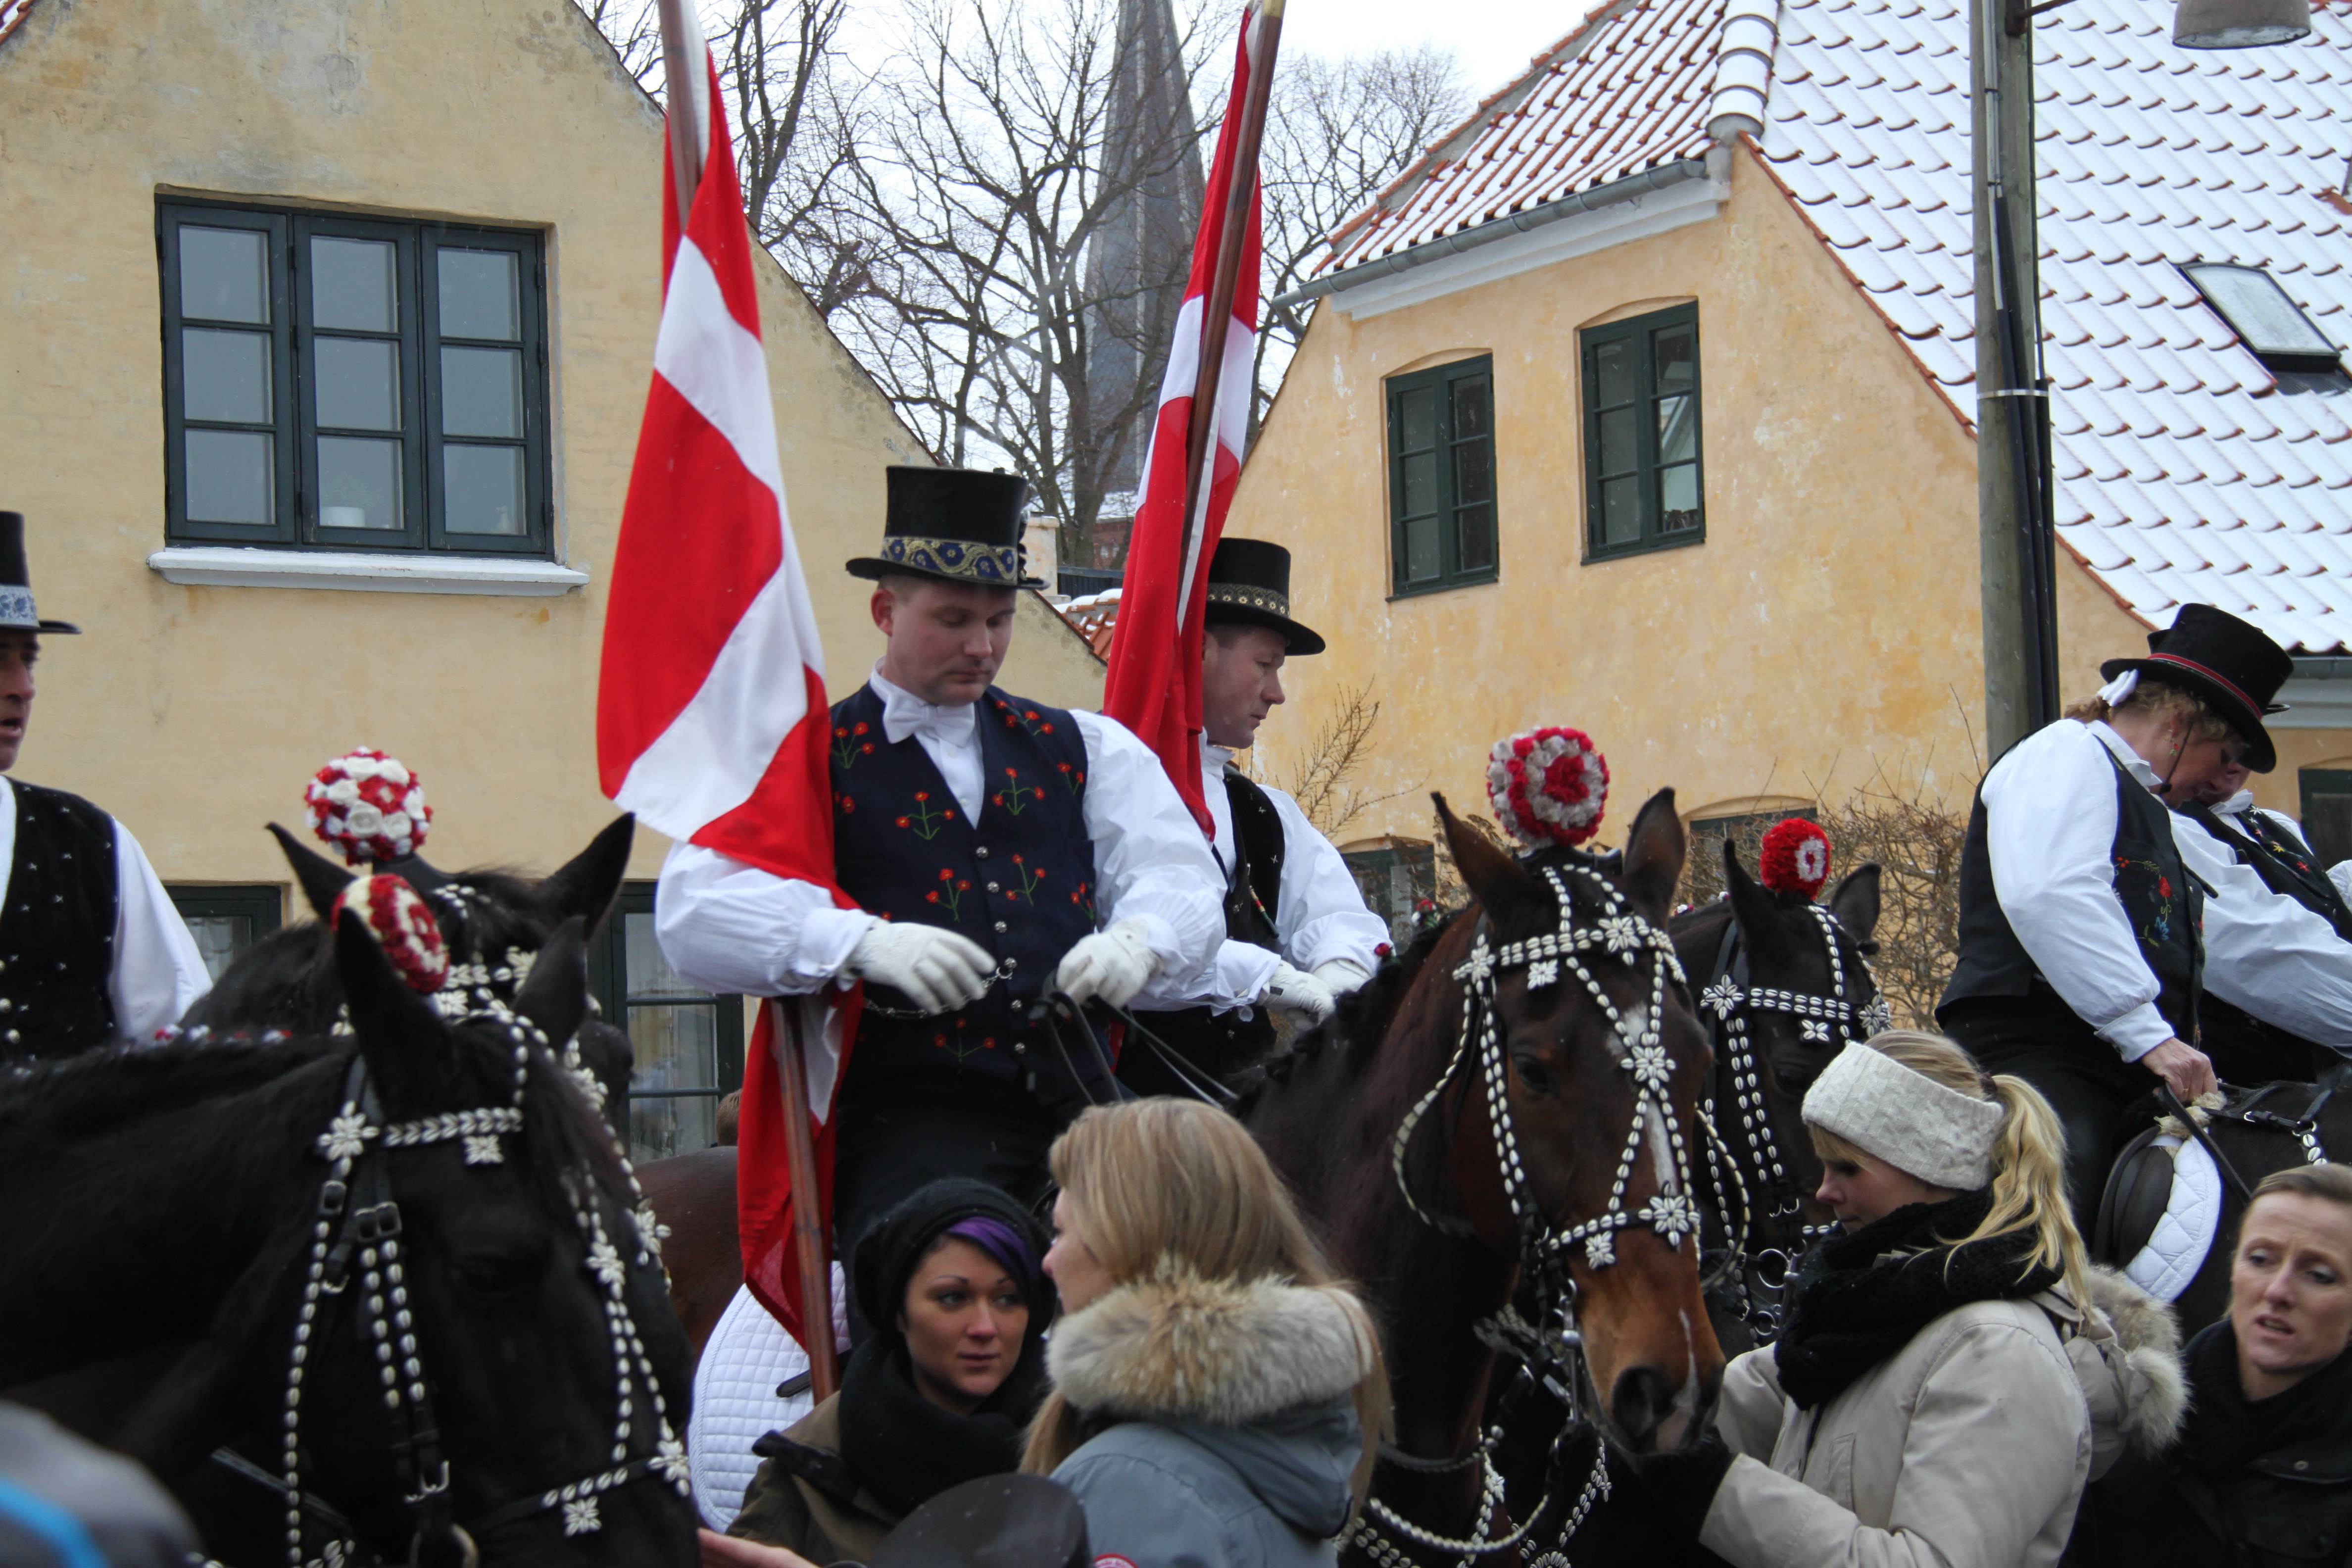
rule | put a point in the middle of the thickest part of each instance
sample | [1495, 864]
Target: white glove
[1110, 966]
[1341, 975]
[1296, 990]
[936, 968]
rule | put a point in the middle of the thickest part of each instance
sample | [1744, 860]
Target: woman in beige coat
[1953, 1372]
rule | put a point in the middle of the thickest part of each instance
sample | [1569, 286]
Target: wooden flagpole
[1222, 282]
[808, 1223]
[683, 59]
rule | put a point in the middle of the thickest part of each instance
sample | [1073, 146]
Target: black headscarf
[903, 1447]
[1862, 1297]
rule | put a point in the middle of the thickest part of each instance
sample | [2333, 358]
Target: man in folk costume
[1297, 933]
[2244, 1048]
[2088, 938]
[998, 849]
[92, 950]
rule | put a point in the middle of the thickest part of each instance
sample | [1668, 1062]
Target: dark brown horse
[1520, 1093]
[1783, 984]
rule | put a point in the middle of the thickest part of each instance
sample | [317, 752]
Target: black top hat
[960, 525]
[1249, 585]
[996, 1522]
[17, 612]
[2234, 667]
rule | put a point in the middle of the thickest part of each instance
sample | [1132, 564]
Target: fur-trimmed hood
[2134, 1381]
[1220, 1353]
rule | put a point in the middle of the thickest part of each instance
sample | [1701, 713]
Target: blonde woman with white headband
[1954, 1371]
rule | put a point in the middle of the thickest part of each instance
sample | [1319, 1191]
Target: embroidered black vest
[2244, 1048]
[1020, 882]
[2159, 899]
[57, 928]
[1222, 1044]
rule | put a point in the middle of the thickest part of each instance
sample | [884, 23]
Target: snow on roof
[12, 14]
[2186, 470]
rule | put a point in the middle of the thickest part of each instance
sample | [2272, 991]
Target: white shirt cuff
[2136, 1033]
[827, 938]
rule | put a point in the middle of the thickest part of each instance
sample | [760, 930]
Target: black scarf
[2228, 1429]
[1858, 1301]
[908, 1451]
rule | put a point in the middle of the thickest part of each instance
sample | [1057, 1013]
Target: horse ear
[408, 1049]
[555, 997]
[1497, 881]
[322, 881]
[588, 883]
[1653, 856]
[1855, 903]
[1751, 902]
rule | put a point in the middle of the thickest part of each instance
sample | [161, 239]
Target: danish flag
[711, 719]
[1153, 686]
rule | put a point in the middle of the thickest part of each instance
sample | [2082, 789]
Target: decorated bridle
[1835, 1019]
[1616, 933]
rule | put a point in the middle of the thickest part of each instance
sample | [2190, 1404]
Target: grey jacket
[1235, 1428]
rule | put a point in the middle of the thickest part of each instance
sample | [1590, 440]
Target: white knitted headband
[1905, 1118]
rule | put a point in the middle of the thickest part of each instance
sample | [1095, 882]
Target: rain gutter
[1616, 191]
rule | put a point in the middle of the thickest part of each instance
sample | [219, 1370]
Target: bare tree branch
[1323, 779]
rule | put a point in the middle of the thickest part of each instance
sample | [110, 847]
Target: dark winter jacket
[1226, 1426]
[2251, 1483]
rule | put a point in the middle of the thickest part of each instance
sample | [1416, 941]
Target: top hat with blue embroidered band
[17, 612]
[959, 525]
[2234, 667]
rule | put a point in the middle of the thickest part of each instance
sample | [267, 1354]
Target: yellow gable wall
[195, 713]
[1827, 628]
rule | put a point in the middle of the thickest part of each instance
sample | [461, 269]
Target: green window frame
[1645, 469]
[1441, 485]
[2327, 811]
[688, 1042]
[226, 920]
[334, 382]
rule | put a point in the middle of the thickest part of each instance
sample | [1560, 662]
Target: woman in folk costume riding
[2086, 937]
[92, 950]
[1953, 1371]
[998, 851]
[1297, 933]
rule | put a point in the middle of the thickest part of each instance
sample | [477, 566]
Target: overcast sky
[1496, 46]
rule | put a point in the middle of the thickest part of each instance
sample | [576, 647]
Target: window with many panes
[226, 921]
[689, 1042]
[1644, 478]
[1442, 476]
[344, 383]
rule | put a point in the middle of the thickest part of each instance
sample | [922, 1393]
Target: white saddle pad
[735, 1402]
[2192, 1215]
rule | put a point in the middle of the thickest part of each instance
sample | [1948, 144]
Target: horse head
[485, 1362]
[1807, 991]
[492, 922]
[1574, 1012]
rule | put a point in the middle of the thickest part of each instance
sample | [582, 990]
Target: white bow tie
[904, 715]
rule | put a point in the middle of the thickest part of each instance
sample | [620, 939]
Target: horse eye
[1532, 1071]
[491, 1275]
[1790, 1080]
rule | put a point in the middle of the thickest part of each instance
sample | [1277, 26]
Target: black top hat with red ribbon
[2234, 665]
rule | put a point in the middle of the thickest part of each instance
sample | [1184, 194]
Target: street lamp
[2016, 534]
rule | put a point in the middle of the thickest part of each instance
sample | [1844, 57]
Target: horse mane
[1359, 1021]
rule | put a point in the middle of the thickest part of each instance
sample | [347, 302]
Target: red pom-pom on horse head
[368, 807]
[1549, 786]
[1796, 857]
[404, 926]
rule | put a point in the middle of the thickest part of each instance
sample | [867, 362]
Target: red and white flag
[1154, 683]
[711, 719]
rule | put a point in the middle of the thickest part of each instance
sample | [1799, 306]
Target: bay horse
[1783, 985]
[418, 1233]
[1520, 1094]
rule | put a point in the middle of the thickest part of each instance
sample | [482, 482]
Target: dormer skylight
[2269, 322]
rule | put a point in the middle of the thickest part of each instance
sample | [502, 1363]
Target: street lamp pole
[2015, 541]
